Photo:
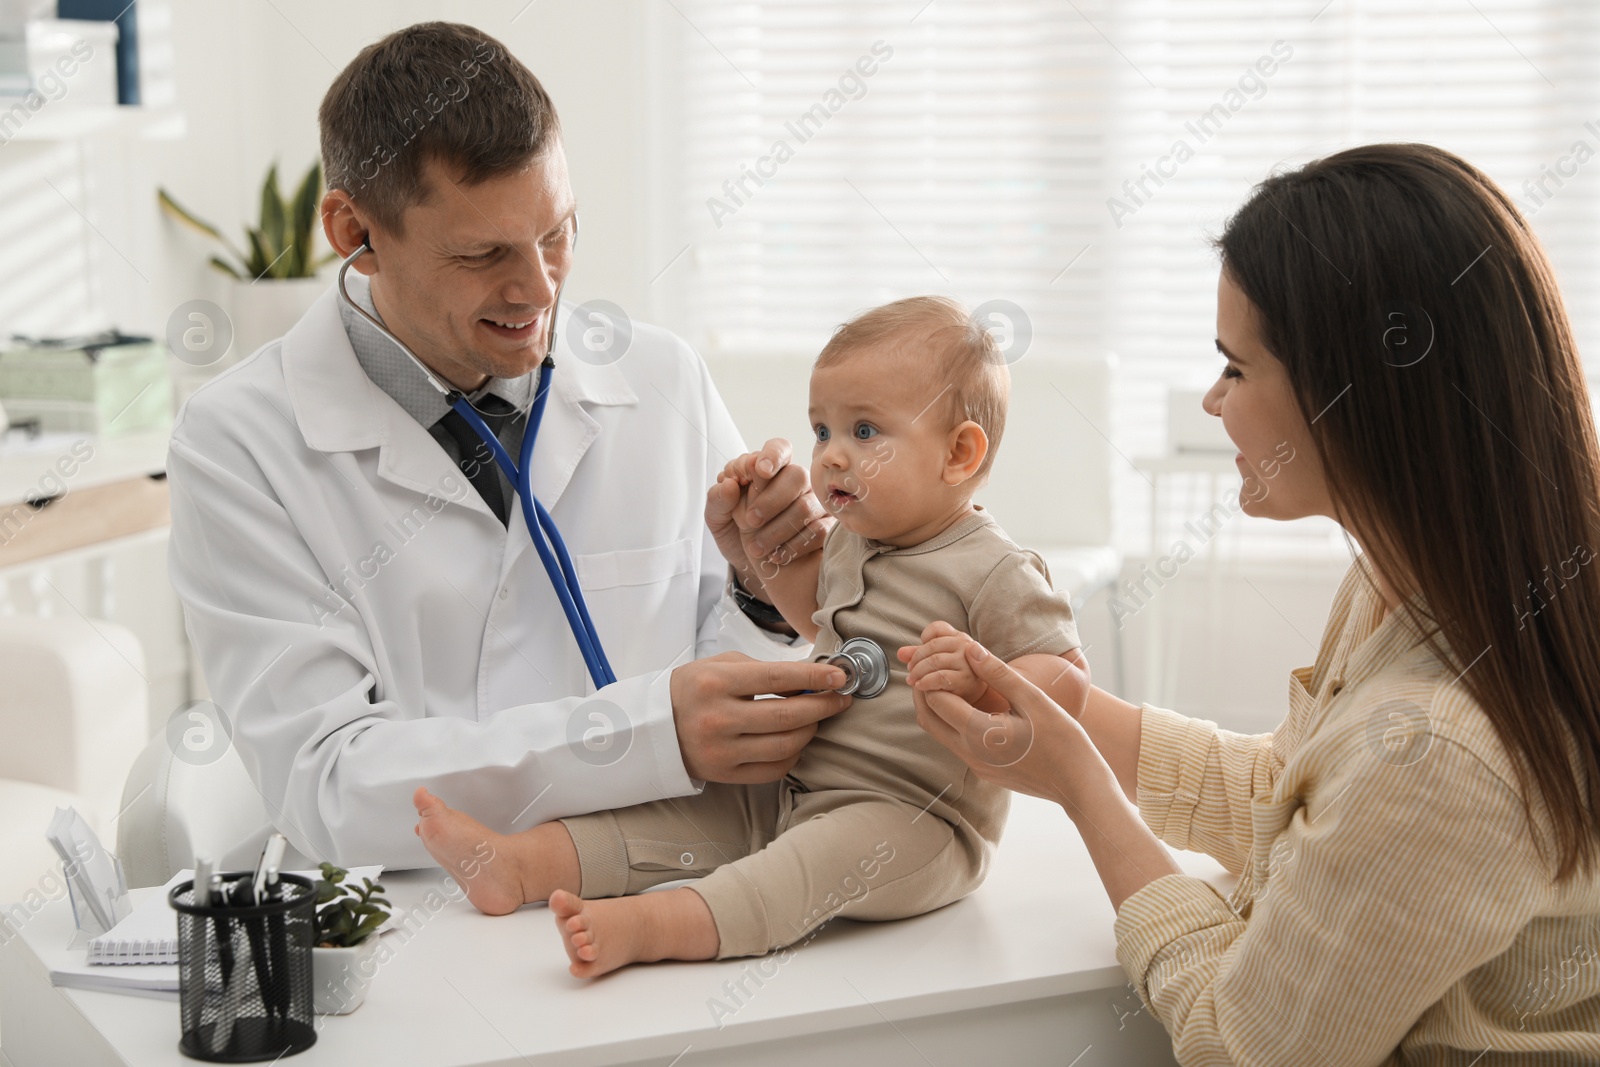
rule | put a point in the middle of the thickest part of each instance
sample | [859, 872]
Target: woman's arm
[1386, 886]
[1113, 725]
[1344, 948]
[1194, 784]
[1111, 722]
[1035, 747]
[1126, 855]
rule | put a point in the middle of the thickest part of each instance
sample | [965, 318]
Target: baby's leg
[625, 851]
[855, 853]
[500, 872]
[602, 935]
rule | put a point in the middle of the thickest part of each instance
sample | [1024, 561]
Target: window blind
[1030, 151]
[966, 162]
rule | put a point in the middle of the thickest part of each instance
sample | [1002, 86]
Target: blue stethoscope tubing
[557, 561]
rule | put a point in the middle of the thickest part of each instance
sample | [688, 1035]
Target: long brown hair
[1422, 329]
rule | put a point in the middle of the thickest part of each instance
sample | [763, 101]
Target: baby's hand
[940, 663]
[750, 467]
[744, 496]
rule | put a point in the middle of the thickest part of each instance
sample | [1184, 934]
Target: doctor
[357, 578]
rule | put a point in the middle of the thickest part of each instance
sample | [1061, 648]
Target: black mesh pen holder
[244, 972]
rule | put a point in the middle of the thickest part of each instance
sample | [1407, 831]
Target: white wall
[1223, 641]
[248, 78]
[251, 75]
[82, 244]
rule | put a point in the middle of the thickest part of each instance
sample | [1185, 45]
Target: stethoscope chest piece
[865, 666]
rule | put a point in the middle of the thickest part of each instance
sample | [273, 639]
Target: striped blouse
[1391, 908]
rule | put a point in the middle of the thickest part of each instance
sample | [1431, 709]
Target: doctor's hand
[762, 506]
[726, 735]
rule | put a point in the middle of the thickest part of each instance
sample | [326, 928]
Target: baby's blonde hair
[962, 356]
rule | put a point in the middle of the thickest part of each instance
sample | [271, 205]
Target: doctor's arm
[334, 756]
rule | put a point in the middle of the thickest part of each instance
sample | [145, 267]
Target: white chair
[1050, 487]
[72, 714]
[176, 810]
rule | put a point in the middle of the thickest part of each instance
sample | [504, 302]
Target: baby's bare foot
[600, 935]
[476, 856]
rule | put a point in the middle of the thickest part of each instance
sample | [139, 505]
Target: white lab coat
[368, 626]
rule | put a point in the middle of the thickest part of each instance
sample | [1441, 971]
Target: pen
[204, 896]
[278, 929]
[227, 895]
[223, 925]
[201, 894]
[271, 857]
[222, 1033]
[256, 934]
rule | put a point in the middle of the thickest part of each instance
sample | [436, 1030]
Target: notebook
[149, 935]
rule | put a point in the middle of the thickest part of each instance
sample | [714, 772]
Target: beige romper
[877, 820]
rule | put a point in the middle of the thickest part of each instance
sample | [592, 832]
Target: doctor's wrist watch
[757, 610]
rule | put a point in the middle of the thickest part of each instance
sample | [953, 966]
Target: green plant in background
[347, 915]
[281, 246]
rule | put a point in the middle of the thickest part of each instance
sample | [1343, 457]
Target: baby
[877, 820]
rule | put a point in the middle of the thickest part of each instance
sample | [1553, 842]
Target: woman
[1418, 844]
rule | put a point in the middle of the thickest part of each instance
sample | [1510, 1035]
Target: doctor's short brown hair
[436, 90]
[963, 365]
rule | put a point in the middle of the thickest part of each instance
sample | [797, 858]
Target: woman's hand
[1035, 747]
[1031, 746]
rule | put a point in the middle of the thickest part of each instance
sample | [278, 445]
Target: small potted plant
[348, 917]
[274, 282]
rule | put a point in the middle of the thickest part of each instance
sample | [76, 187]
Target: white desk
[1022, 972]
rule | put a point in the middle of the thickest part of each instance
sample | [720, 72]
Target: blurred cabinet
[97, 548]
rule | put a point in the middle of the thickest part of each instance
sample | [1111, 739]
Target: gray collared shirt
[409, 387]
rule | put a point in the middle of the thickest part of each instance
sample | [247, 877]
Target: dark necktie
[474, 456]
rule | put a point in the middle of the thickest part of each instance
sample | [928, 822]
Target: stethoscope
[557, 562]
[865, 666]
